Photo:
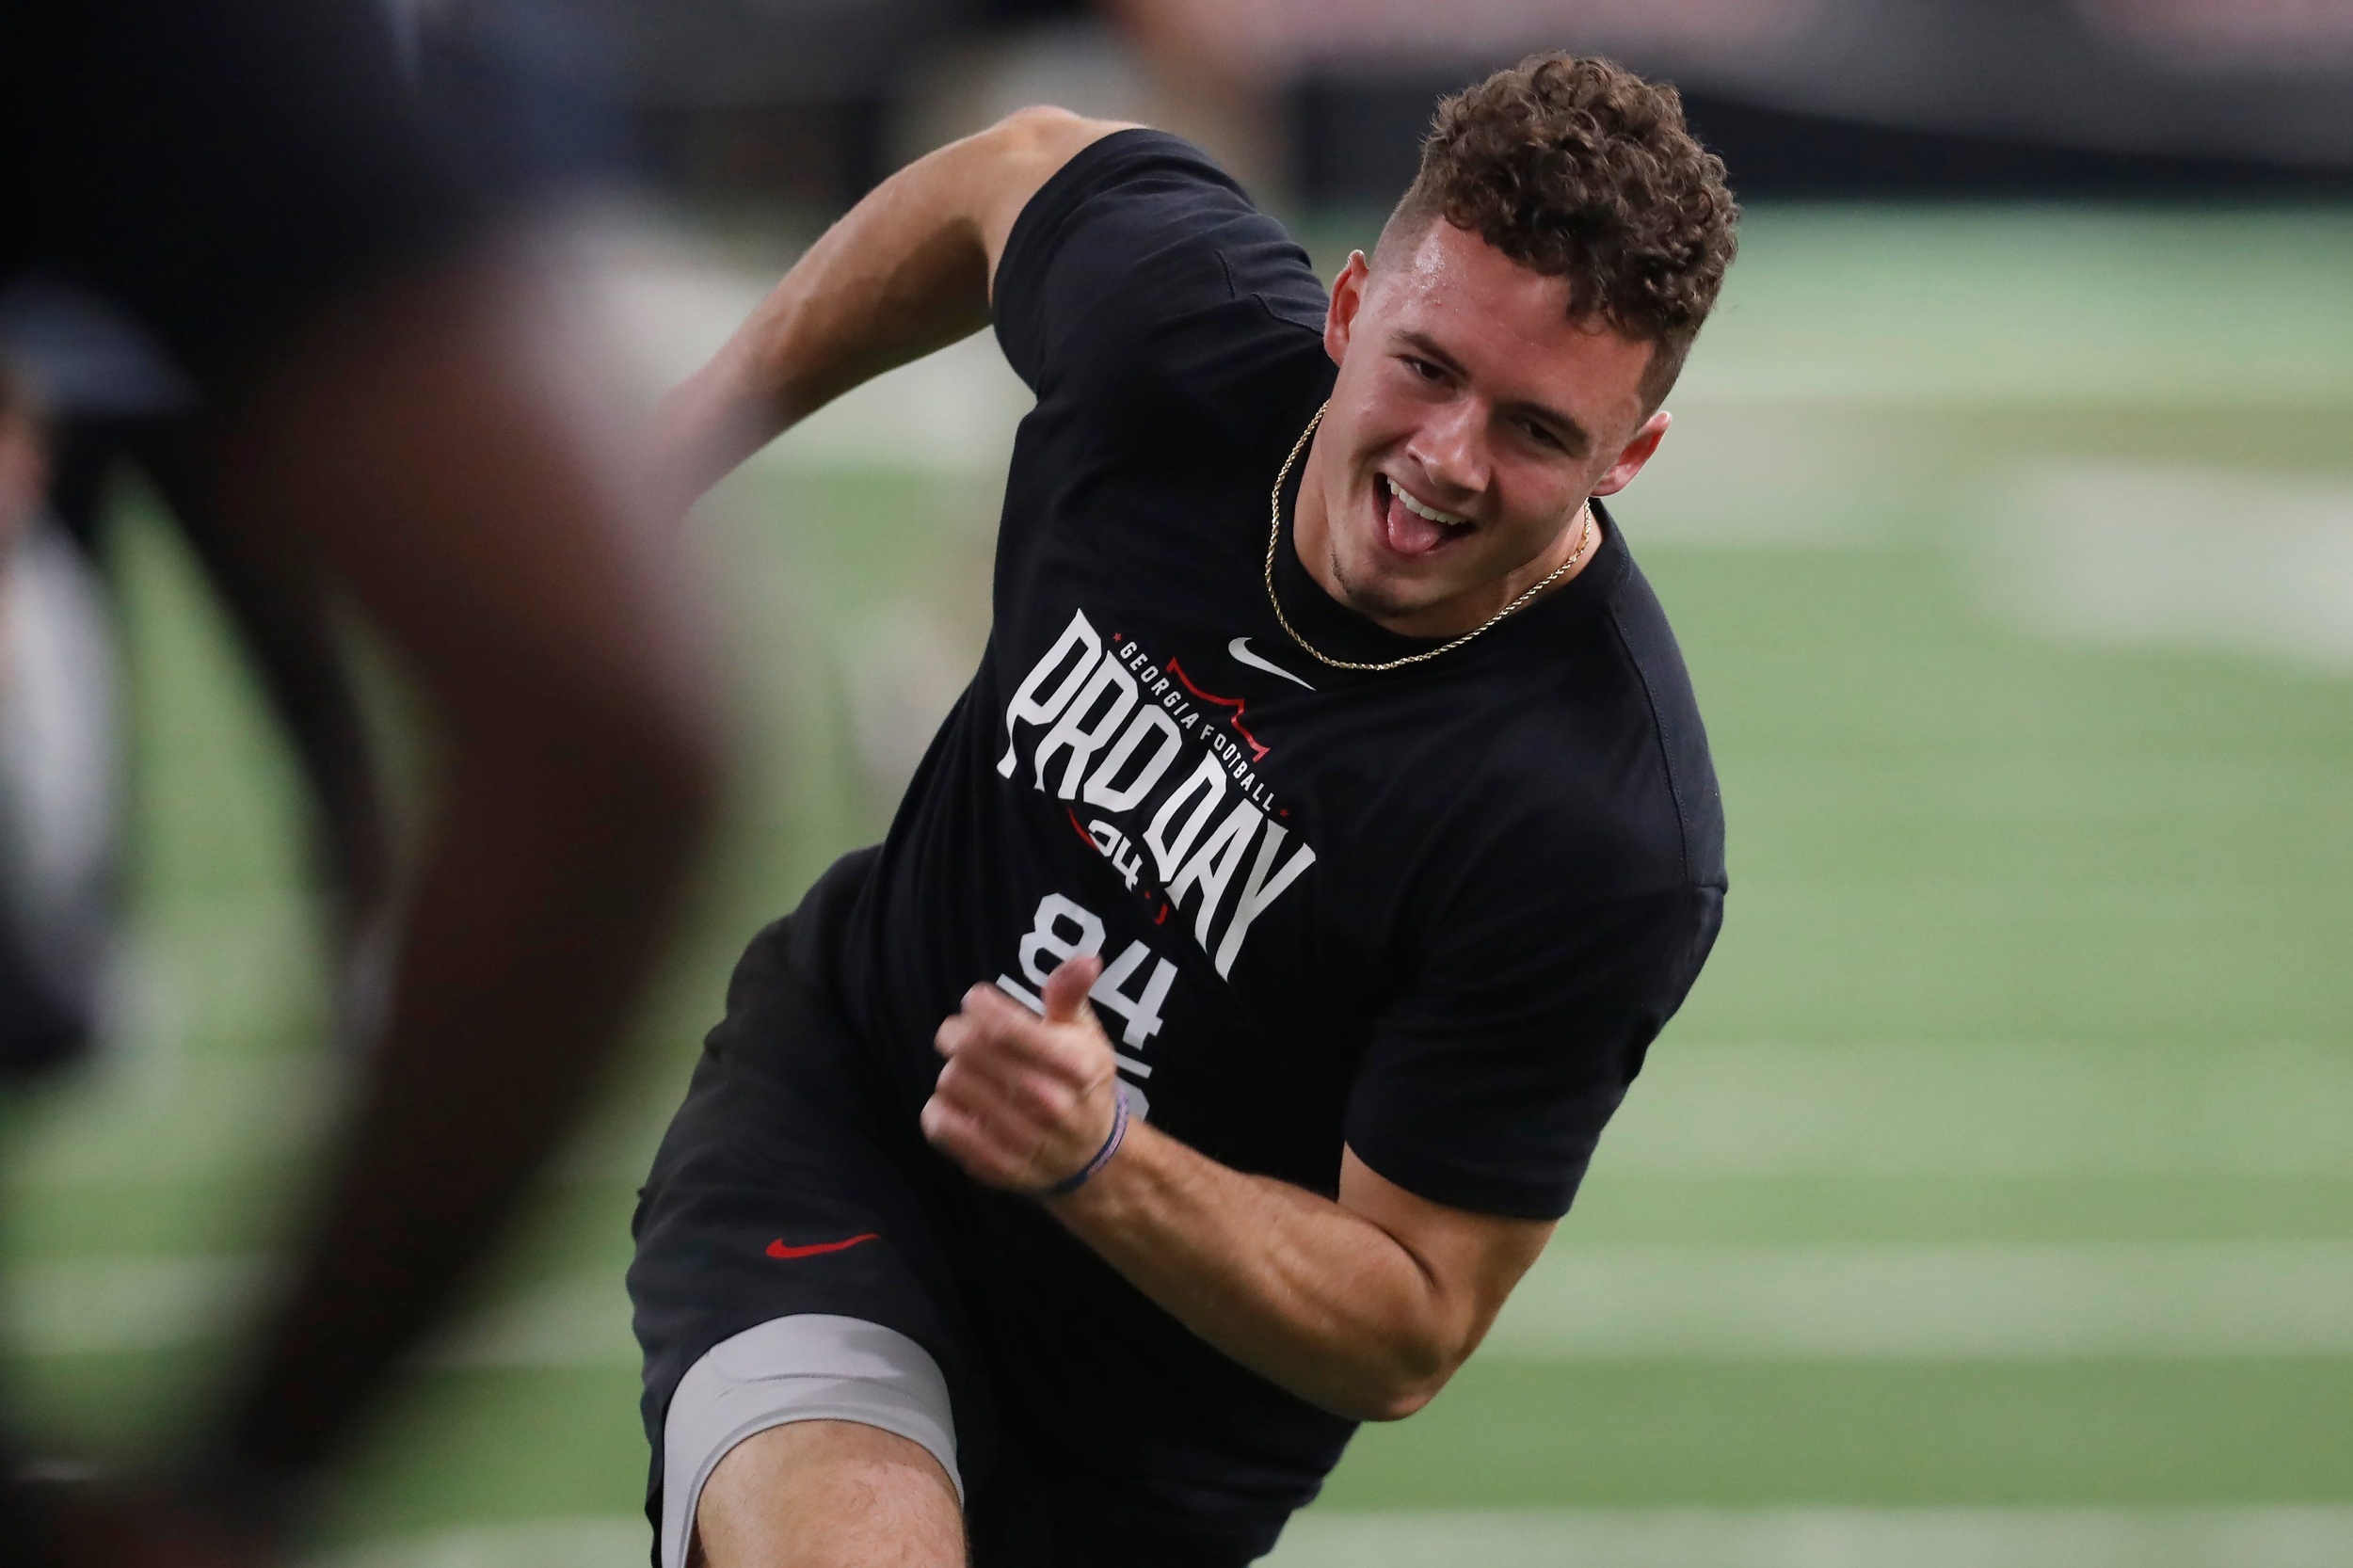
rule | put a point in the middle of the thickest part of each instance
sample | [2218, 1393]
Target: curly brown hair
[1579, 168]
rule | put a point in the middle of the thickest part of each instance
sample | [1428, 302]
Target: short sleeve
[1137, 230]
[1487, 1086]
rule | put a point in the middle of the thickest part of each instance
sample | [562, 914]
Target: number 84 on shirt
[1064, 929]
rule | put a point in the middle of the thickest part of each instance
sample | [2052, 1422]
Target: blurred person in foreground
[396, 407]
[1331, 792]
[57, 785]
[281, 611]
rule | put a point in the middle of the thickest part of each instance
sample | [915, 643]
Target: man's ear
[1635, 453]
[1348, 297]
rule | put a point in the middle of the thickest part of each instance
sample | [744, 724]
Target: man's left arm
[1364, 1307]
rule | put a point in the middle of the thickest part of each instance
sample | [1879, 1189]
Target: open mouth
[1411, 528]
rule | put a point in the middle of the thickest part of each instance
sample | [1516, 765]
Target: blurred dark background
[1325, 101]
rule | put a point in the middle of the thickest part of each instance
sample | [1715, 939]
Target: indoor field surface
[1990, 1204]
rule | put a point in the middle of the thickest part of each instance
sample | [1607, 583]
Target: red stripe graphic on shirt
[1238, 705]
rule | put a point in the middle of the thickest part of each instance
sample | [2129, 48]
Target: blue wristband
[1070, 1184]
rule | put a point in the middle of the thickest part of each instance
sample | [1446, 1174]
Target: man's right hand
[1025, 1102]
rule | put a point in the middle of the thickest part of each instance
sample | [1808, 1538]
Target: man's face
[1471, 419]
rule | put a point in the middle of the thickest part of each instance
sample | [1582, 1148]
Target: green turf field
[1991, 1202]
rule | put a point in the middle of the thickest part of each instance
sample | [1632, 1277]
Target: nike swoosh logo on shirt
[1239, 648]
[778, 1249]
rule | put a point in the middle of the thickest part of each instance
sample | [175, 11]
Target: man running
[1236, 1001]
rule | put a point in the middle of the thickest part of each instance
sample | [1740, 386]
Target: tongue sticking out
[1409, 532]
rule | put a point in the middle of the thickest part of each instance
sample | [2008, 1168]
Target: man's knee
[829, 1495]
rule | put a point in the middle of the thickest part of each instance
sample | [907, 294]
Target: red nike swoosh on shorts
[778, 1249]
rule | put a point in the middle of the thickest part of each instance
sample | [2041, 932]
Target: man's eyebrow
[1429, 348]
[1573, 436]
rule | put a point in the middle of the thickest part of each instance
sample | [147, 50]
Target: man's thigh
[788, 1272]
[829, 1495]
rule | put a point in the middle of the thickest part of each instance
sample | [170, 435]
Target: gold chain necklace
[1584, 537]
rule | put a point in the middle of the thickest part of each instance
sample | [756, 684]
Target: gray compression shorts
[810, 1366]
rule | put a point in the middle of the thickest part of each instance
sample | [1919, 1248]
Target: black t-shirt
[219, 171]
[1435, 914]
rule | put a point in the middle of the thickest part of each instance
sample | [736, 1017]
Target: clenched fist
[1025, 1102]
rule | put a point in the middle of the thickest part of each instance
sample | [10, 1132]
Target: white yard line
[1992, 1109]
[621, 1542]
[1971, 1303]
[2123, 555]
[579, 1321]
[111, 1306]
[1581, 1303]
[209, 1121]
[1700, 1109]
[117, 1304]
[1707, 1110]
[1825, 1538]
[2276, 1537]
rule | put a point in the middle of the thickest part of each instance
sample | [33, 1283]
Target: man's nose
[1451, 448]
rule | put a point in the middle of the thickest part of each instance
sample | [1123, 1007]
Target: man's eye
[1543, 436]
[1424, 369]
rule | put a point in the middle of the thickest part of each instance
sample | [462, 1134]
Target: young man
[1331, 794]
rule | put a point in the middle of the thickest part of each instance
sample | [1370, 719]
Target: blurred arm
[284, 617]
[432, 445]
[907, 271]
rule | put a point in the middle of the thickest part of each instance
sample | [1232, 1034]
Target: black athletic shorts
[779, 1140]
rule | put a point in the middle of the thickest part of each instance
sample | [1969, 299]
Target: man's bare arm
[908, 270]
[1365, 1306]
